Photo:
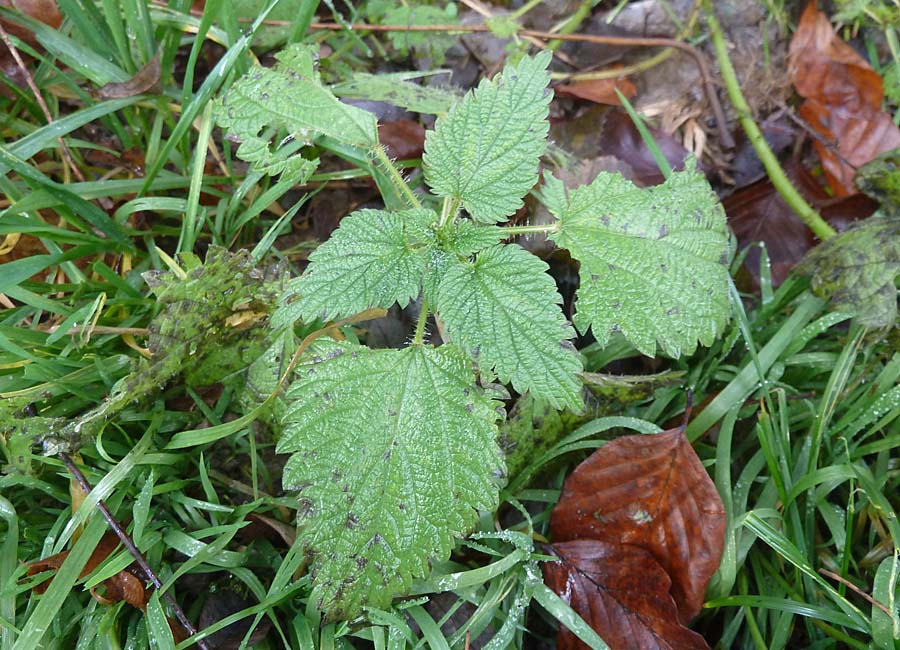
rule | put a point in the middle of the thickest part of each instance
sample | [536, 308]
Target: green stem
[448, 210]
[780, 181]
[509, 231]
[573, 23]
[524, 9]
[395, 177]
[419, 337]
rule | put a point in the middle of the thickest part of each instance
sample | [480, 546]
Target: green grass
[796, 411]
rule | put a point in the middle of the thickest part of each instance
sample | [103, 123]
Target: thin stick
[847, 583]
[129, 544]
[64, 149]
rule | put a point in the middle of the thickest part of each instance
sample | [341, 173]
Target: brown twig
[128, 543]
[64, 149]
[847, 583]
[625, 41]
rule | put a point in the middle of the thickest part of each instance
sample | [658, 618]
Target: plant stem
[448, 210]
[524, 9]
[509, 231]
[572, 23]
[395, 177]
[780, 181]
[419, 337]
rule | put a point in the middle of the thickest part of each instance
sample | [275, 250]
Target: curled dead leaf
[145, 80]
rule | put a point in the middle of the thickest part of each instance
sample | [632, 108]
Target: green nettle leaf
[374, 259]
[394, 452]
[289, 96]
[398, 89]
[503, 308]
[857, 269]
[653, 261]
[485, 152]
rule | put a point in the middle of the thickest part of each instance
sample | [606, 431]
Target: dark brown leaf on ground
[758, 213]
[145, 80]
[650, 491]
[403, 139]
[621, 139]
[622, 592]
[222, 604]
[843, 100]
[599, 91]
[44, 10]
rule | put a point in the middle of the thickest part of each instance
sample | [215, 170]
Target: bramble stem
[780, 181]
[419, 337]
[395, 177]
[509, 231]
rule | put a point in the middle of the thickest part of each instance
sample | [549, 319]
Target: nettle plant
[394, 451]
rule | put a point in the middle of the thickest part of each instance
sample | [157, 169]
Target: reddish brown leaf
[404, 139]
[649, 491]
[122, 586]
[145, 80]
[599, 91]
[843, 99]
[859, 136]
[104, 548]
[622, 592]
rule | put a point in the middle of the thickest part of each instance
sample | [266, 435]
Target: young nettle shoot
[394, 452]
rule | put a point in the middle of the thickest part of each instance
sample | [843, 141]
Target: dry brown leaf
[622, 592]
[104, 548]
[599, 91]
[843, 100]
[653, 492]
[860, 136]
[145, 80]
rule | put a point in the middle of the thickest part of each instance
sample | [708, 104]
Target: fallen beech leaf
[843, 99]
[145, 80]
[622, 592]
[599, 91]
[650, 491]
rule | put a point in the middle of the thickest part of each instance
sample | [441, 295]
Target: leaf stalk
[397, 180]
